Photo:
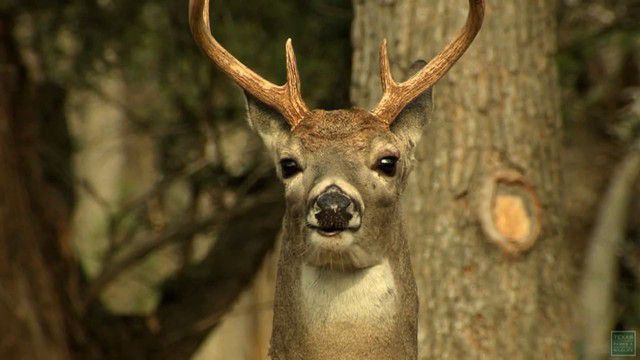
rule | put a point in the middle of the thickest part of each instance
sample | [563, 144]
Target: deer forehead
[353, 129]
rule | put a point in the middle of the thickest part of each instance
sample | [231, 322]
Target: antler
[287, 99]
[397, 95]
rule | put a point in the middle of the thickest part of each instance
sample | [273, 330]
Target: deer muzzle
[333, 211]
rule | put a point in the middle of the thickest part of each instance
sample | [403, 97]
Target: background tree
[488, 175]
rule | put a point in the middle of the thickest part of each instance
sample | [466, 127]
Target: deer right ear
[266, 121]
[411, 121]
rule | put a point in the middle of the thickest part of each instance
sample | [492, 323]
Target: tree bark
[483, 207]
[33, 322]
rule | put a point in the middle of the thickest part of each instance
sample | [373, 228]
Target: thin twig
[85, 185]
[141, 201]
[161, 241]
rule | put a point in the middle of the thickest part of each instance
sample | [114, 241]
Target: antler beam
[397, 95]
[287, 98]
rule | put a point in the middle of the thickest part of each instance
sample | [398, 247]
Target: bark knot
[509, 211]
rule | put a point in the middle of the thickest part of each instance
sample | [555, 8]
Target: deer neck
[328, 314]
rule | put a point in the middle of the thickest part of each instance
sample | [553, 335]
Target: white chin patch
[337, 242]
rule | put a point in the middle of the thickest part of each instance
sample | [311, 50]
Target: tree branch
[601, 267]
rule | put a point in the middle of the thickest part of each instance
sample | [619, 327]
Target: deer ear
[411, 121]
[266, 121]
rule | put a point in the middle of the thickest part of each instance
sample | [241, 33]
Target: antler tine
[287, 98]
[294, 90]
[397, 95]
[385, 69]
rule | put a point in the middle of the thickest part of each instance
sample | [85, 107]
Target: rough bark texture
[495, 113]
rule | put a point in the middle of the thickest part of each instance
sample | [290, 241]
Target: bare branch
[176, 235]
[601, 268]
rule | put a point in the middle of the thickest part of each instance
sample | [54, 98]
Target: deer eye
[289, 168]
[387, 165]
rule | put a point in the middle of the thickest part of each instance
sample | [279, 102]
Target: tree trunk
[33, 323]
[483, 207]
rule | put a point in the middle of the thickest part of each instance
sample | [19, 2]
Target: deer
[345, 287]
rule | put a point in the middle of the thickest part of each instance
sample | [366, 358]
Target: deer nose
[333, 200]
[333, 210]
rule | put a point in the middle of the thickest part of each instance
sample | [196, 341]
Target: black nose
[333, 210]
[333, 200]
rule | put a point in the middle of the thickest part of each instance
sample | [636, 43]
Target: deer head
[343, 170]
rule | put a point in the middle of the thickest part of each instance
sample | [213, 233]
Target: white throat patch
[366, 297]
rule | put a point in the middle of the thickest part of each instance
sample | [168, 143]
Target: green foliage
[173, 86]
[150, 40]
[599, 63]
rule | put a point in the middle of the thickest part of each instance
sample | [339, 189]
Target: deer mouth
[331, 231]
[335, 244]
[340, 252]
[331, 241]
[336, 241]
[328, 232]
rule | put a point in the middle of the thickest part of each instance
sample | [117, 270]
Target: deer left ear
[411, 121]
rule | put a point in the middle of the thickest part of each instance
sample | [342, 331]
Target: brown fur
[356, 127]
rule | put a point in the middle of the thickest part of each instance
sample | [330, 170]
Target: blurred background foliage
[599, 66]
[138, 59]
[148, 43]
[598, 63]
[129, 72]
